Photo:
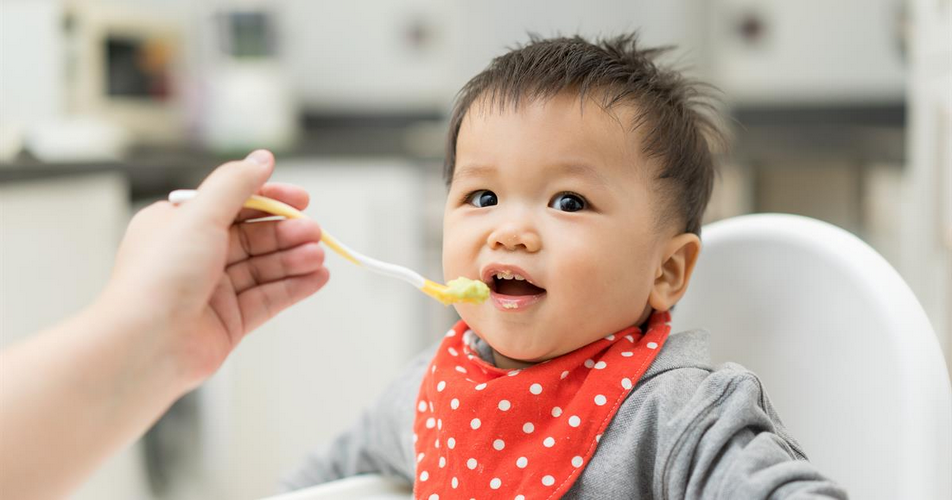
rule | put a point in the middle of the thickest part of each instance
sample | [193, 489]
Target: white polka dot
[431, 406]
[556, 411]
[475, 423]
[522, 462]
[598, 437]
[574, 421]
[600, 400]
[548, 480]
[528, 427]
[419, 458]
[513, 373]
[439, 424]
[430, 423]
[535, 389]
[495, 483]
[610, 337]
[424, 476]
[564, 374]
[451, 443]
[433, 369]
[442, 462]
[629, 338]
[600, 365]
[460, 369]
[471, 463]
[576, 462]
[652, 345]
[436, 444]
[499, 444]
[422, 406]
[548, 442]
[480, 387]
[454, 403]
[627, 354]
[504, 405]
[434, 497]
[454, 483]
[453, 352]
[520, 497]
[415, 437]
[589, 363]
[451, 333]
[626, 383]
[440, 386]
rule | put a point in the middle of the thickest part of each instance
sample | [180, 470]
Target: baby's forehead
[566, 132]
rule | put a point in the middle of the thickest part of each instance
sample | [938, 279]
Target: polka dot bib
[484, 432]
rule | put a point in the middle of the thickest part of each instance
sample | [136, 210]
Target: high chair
[842, 346]
[845, 351]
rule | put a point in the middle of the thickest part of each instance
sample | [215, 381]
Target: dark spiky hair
[676, 114]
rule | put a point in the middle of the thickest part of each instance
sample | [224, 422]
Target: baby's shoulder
[682, 384]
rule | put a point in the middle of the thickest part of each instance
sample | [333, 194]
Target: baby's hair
[677, 114]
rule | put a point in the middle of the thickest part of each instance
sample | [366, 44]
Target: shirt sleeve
[727, 442]
[379, 441]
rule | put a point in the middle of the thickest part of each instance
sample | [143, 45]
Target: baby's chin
[522, 355]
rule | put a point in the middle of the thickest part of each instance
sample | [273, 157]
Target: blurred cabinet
[414, 55]
[368, 57]
[812, 51]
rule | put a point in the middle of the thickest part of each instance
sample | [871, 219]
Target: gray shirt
[687, 430]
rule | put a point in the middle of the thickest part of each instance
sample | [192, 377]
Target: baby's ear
[674, 272]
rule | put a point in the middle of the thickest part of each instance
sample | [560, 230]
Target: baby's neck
[508, 363]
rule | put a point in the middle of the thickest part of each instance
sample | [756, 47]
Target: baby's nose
[513, 238]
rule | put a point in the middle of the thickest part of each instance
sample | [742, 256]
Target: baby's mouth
[513, 285]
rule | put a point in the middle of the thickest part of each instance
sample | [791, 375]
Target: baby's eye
[482, 198]
[568, 202]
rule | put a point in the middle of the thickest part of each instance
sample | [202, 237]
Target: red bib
[481, 431]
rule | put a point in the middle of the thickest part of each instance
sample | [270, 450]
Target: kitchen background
[841, 111]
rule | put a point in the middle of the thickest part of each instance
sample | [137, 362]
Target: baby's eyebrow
[570, 168]
[478, 171]
[584, 170]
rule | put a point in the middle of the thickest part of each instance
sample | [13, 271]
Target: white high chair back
[843, 347]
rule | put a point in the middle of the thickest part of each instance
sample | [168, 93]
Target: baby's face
[556, 197]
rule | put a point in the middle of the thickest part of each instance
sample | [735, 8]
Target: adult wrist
[145, 336]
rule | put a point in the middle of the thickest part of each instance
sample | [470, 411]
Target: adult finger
[290, 194]
[276, 266]
[225, 190]
[257, 238]
[263, 302]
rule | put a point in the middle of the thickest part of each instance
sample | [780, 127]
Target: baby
[578, 175]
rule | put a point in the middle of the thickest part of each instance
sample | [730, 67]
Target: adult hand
[209, 278]
[189, 282]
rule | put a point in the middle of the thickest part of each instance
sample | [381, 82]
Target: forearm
[74, 395]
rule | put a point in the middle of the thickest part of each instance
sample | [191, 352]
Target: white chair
[846, 353]
[843, 347]
[365, 487]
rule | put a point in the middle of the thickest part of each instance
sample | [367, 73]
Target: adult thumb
[222, 194]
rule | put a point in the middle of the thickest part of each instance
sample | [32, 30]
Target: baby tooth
[519, 278]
